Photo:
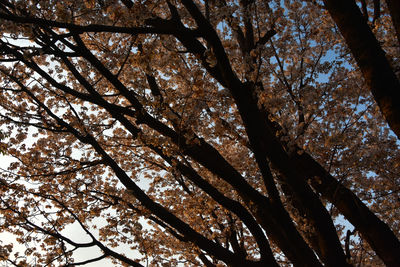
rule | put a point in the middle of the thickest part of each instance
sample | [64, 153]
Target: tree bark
[371, 59]
[394, 9]
[378, 235]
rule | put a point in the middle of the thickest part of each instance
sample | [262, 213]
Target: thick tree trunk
[385, 88]
[370, 58]
[394, 9]
[264, 146]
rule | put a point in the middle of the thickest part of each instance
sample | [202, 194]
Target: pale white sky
[74, 232]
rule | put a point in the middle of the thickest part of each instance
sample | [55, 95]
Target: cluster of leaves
[223, 132]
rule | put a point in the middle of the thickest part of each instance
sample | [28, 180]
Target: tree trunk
[378, 74]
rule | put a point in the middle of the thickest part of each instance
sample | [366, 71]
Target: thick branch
[378, 235]
[371, 59]
[85, 28]
[394, 9]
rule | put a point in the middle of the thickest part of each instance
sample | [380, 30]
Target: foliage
[212, 133]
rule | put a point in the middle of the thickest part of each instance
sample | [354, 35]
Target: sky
[74, 232]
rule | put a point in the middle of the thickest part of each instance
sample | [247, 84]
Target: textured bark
[370, 58]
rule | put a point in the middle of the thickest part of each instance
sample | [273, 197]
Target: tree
[211, 133]
[376, 68]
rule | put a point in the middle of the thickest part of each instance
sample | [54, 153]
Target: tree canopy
[201, 132]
